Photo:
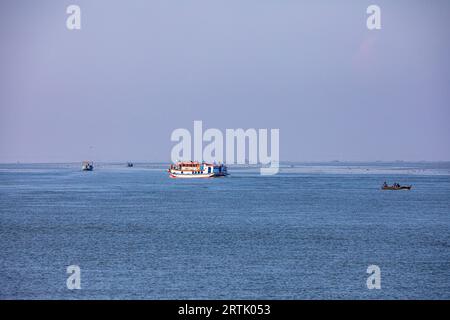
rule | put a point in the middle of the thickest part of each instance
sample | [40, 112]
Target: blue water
[136, 234]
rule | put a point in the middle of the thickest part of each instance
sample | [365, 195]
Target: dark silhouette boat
[130, 164]
[396, 187]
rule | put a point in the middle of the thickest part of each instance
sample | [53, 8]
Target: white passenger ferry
[194, 169]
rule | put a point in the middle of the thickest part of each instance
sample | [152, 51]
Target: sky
[137, 70]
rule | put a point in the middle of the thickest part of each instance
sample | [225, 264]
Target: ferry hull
[190, 176]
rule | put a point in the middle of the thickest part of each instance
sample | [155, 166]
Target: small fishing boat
[87, 166]
[194, 169]
[130, 164]
[386, 187]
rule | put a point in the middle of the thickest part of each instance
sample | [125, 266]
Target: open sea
[309, 232]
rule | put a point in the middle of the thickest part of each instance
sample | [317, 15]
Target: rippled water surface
[309, 232]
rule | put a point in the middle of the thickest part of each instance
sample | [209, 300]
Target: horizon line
[281, 161]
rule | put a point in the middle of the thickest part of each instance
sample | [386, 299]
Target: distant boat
[130, 164]
[386, 187]
[194, 169]
[87, 166]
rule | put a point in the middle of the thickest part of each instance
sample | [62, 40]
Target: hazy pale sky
[137, 70]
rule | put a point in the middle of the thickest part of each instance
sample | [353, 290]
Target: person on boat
[385, 184]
